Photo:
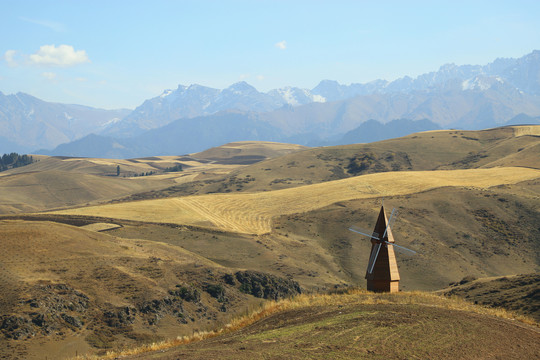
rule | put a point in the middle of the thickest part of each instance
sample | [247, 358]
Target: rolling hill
[465, 216]
[252, 213]
[459, 230]
[519, 293]
[56, 182]
[363, 326]
[132, 259]
[425, 151]
[38, 191]
[68, 290]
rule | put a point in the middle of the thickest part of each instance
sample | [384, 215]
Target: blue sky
[114, 53]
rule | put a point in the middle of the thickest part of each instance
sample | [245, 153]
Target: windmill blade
[401, 249]
[372, 255]
[361, 231]
[391, 221]
[371, 264]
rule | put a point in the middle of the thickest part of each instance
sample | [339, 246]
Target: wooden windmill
[382, 271]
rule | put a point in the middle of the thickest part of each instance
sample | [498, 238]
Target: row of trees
[13, 160]
[177, 167]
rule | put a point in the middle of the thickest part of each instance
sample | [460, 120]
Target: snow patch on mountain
[166, 93]
[295, 96]
[110, 122]
[481, 82]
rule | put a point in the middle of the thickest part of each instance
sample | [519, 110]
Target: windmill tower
[384, 275]
[382, 272]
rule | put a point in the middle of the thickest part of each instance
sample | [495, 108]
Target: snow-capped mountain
[481, 82]
[459, 96]
[196, 100]
[295, 96]
[522, 73]
[510, 76]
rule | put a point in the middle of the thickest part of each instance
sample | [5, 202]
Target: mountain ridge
[455, 96]
[520, 75]
[32, 123]
[224, 127]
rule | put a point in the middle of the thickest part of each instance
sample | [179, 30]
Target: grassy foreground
[340, 310]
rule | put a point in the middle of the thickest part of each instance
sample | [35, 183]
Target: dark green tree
[13, 160]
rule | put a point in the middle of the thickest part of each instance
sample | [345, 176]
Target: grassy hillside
[105, 271]
[359, 325]
[457, 232]
[66, 290]
[55, 182]
[463, 222]
[247, 152]
[520, 293]
[42, 190]
[431, 150]
[253, 213]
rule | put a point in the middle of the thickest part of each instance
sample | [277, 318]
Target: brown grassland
[93, 263]
[252, 213]
[355, 325]
[519, 293]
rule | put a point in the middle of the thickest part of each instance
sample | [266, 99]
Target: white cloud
[9, 57]
[282, 45]
[49, 75]
[81, 79]
[63, 55]
[260, 77]
[244, 76]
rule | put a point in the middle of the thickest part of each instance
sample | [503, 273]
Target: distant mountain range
[28, 123]
[196, 100]
[201, 133]
[500, 90]
[197, 117]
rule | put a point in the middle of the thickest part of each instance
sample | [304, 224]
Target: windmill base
[383, 286]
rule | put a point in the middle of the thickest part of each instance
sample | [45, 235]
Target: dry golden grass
[47, 190]
[263, 148]
[252, 213]
[59, 182]
[349, 297]
[526, 130]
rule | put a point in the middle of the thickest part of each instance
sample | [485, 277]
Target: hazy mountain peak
[327, 85]
[448, 67]
[534, 55]
[327, 82]
[196, 87]
[241, 87]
